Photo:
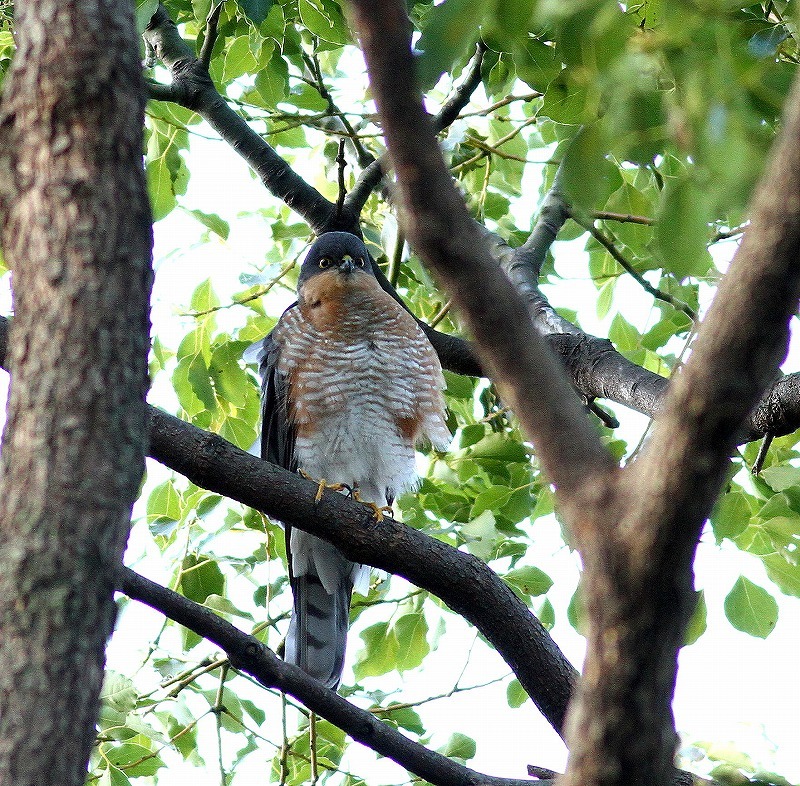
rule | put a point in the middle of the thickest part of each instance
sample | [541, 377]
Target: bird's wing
[320, 577]
[277, 431]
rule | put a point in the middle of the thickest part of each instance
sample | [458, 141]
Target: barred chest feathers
[366, 387]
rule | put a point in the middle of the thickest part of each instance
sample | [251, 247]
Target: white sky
[731, 687]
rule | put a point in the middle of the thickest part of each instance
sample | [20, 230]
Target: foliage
[662, 111]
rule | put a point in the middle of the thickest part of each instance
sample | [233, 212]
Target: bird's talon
[323, 484]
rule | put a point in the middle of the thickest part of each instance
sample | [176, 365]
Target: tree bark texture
[76, 231]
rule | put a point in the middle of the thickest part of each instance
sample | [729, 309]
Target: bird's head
[337, 253]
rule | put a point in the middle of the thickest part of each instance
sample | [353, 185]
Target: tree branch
[608, 245]
[372, 175]
[462, 581]
[246, 653]
[192, 87]
[437, 222]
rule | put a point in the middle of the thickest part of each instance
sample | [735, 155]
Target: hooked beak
[347, 265]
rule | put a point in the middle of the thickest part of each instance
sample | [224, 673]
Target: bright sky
[727, 691]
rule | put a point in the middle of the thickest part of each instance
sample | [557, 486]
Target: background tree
[660, 119]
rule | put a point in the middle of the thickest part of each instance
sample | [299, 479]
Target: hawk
[350, 384]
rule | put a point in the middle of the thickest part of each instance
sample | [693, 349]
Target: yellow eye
[360, 262]
[325, 262]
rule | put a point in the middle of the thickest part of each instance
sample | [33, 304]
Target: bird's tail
[322, 585]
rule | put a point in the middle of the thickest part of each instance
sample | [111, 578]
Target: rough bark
[76, 231]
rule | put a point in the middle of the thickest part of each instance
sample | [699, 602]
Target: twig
[605, 215]
[500, 104]
[606, 418]
[763, 449]
[212, 23]
[341, 161]
[441, 314]
[608, 244]
[462, 94]
[725, 234]
[393, 273]
[312, 747]
[218, 709]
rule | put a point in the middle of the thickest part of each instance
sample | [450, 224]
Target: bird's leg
[377, 510]
[323, 484]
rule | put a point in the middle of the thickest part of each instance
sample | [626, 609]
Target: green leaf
[537, 63]
[529, 580]
[225, 607]
[730, 516]
[118, 692]
[784, 573]
[379, 655]
[515, 694]
[751, 609]
[781, 477]
[164, 504]
[213, 222]
[480, 535]
[144, 13]
[135, 759]
[500, 447]
[113, 776]
[405, 717]
[239, 59]
[450, 29]
[411, 632]
[272, 82]
[576, 612]
[681, 229]
[765, 42]
[588, 179]
[201, 577]
[255, 10]
[324, 19]
[698, 623]
[459, 746]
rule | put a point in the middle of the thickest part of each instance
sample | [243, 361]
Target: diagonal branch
[608, 244]
[246, 653]
[463, 582]
[638, 557]
[193, 88]
[372, 175]
[438, 224]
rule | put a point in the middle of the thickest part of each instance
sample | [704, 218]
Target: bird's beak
[347, 265]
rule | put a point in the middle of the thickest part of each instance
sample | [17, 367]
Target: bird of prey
[350, 384]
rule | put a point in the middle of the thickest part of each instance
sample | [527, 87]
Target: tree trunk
[76, 231]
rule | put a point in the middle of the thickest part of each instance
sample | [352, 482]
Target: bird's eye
[325, 262]
[360, 262]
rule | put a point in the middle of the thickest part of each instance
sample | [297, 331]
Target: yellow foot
[323, 484]
[377, 510]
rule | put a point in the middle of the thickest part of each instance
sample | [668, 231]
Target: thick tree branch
[462, 581]
[438, 224]
[192, 87]
[248, 654]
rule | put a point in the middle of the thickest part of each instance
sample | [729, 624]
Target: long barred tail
[322, 585]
